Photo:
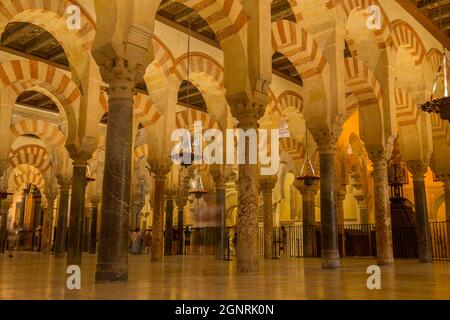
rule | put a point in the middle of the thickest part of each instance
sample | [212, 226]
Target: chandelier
[441, 105]
[307, 174]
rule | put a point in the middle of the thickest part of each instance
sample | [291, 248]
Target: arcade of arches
[86, 119]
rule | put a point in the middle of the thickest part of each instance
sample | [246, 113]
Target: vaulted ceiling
[438, 11]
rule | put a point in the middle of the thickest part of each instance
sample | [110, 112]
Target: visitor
[136, 241]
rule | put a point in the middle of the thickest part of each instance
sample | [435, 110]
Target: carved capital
[217, 173]
[308, 192]
[362, 201]
[121, 78]
[64, 183]
[6, 203]
[267, 183]
[181, 200]
[160, 168]
[247, 113]
[418, 169]
[325, 140]
[94, 200]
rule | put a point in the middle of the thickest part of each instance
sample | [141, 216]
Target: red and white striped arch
[404, 35]
[199, 63]
[187, 117]
[225, 17]
[293, 148]
[299, 47]
[34, 155]
[362, 82]
[407, 112]
[46, 131]
[34, 178]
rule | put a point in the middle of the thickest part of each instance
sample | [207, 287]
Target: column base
[249, 266]
[111, 273]
[385, 262]
[330, 259]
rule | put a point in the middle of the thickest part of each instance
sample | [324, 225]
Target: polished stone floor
[33, 276]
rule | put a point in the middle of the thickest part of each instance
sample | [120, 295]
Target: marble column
[220, 234]
[340, 197]
[61, 229]
[383, 224]
[5, 204]
[247, 254]
[362, 208]
[37, 209]
[22, 208]
[47, 228]
[308, 193]
[93, 226]
[329, 237]
[160, 169]
[266, 185]
[76, 219]
[112, 260]
[181, 201]
[446, 180]
[168, 233]
[418, 170]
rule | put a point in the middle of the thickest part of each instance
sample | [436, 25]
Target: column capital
[94, 200]
[181, 200]
[246, 112]
[341, 194]
[216, 172]
[50, 194]
[325, 140]
[307, 191]
[170, 194]
[267, 183]
[64, 183]
[6, 203]
[362, 201]
[160, 168]
[445, 178]
[120, 76]
[418, 169]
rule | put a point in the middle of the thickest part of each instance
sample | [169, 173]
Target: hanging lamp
[307, 173]
[197, 188]
[441, 105]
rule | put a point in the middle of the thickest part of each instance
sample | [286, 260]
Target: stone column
[5, 204]
[168, 233]
[340, 197]
[220, 236]
[308, 193]
[181, 201]
[47, 228]
[76, 219]
[266, 185]
[362, 208]
[112, 260]
[446, 181]
[329, 237]
[61, 229]
[93, 232]
[160, 169]
[22, 208]
[383, 225]
[37, 209]
[418, 170]
[247, 115]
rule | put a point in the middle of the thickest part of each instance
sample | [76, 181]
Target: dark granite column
[266, 185]
[247, 254]
[308, 215]
[329, 238]
[76, 219]
[220, 237]
[5, 204]
[418, 170]
[93, 232]
[383, 225]
[37, 208]
[47, 228]
[86, 228]
[61, 229]
[159, 168]
[112, 260]
[168, 234]
[181, 201]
